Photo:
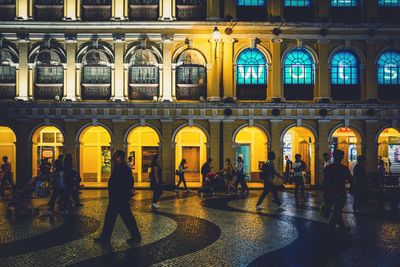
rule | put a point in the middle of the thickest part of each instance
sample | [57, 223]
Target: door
[243, 150]
[192, 156]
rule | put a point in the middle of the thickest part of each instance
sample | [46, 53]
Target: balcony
[47, 10]
[191, 91]
[298, 92]
[48, 91]
[190, 10]
[7, 90]
[389, 92]
[96, 91]
[7, 10]
[143, 12]
[251, 92]
[345, 92]
[96, 10]
[143, 91]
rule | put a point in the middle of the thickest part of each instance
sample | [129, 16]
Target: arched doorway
[95, 156]
[348, 140]
[251, 144]
[7, 147]
[389, 149]
[301, 140]
[191, 144]
[47, 142]
[143, 143]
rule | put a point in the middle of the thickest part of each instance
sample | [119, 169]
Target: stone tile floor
[196, 231]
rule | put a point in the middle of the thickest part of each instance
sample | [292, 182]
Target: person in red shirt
[336, 175]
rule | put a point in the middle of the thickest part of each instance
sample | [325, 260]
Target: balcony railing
[190, 10]
[251, 92]
[96, 91]
[143, 10]
[7, 90]
[48, 91]
[96, 10]
[49, 10]
[191, 91]
[143, 91]
[7, 10]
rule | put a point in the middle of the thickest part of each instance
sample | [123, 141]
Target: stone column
[213, 10]
[324, 85]
[71, 77]
[371, 90]
[118, 81]
[119, 132]
[277, 94]
[372, 10]
[324, 6]
[276, 145]
[371, 146]
[227, 65]
[167, 10]
[323, 142]
[78, 9]
[23, 47]
[23, 155]
[112, 81]
[69, 10]
[30, 9]
[168, 47]
[229, 147]
[167, 157]
[230, 8]
[22, 9]
[215, 143]
[126, 81]
[117, 10]
[78, 67]
[276, 9]
[213, 72]
[30, 81]
[70, 144]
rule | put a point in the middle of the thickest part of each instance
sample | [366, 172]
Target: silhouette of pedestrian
[241, 176]
[156, 181]
[298, 167]
[6, 173]
[181, 174]
[119, 194]
[359, 183]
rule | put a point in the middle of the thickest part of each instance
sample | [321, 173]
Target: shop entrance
[389, 149]
[348, 140]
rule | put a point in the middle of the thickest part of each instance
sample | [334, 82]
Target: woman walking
[241, 176]
[156, 181]
[227, 173]
[181, 174]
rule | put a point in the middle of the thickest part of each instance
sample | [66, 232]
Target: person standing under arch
[119, 193]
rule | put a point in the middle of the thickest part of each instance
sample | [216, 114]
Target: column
[78, 9]
[167, 8]
[276, 70]
[323, 13]
[126, 81]
[323, 142]
[22, 9]
[229, 147]
[112, 81]
[276, 9]
[230, 8]
[168, 47]
[65, 80]
[215, 143]
[30, 81]
[370, 86]
[167, 157]
[372, 10]
[78, 67]
[117, 10]
[119, 47]
[276, 145]
[227, 67]
[213, 10]
[324, 86]
[30, 9]
[371, 145]
[118, 132]
[213, 72]
[23, 155]
[70, 144]
[23, 70]
[71, 82]
[69, 10]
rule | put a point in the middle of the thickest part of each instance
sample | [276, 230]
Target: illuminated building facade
[195, 79]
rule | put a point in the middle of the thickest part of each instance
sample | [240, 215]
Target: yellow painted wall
[7, 147]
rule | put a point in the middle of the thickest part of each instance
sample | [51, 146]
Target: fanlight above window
[298, 67]
[298, 3]
[344, 3]
[251, 2]
[389, 68]
[344, 68]
[251, 67]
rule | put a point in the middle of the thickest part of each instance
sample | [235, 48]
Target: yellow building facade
[197, 79]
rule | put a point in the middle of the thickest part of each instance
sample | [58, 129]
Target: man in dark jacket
[120, 185]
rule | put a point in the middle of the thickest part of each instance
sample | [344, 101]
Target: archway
[301, 140]
[389, 149]
[95, 155]
[251, 144]
[143, 143]
[47, 142]
[191, 144]
[7, 147]
[349, 140]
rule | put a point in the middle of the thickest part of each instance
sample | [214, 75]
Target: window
[389, 68]
[251, 67]
[344, 3]
[298, 67]
[298, 3]
[344, 69]
[7, 67]
[144, 69]
[251, 2]
[96, 69]
[48, 68]
[389, 3]
[191, 68]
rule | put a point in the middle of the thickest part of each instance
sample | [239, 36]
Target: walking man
[267, 174]
[298, 167]
[119, 194]
[181, 174]
[206, 169]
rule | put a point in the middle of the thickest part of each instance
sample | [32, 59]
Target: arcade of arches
[94, 145]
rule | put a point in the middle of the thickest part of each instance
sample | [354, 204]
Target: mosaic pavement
[196, 231]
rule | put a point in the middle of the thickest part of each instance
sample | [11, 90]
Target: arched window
[48, 10]
[344, 3]
[143, 10]
[389, 75]
[251, 2]
[8, 60]
[298, 74]
[96, 74]
[49, 75]
[298, 3]
[7, 10]
[143, 75]
[96, 10]
[191, 9]
[191, 76]
[389, 3]
[344, 68]
[251, 75]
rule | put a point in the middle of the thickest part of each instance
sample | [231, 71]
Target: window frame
[353, 67]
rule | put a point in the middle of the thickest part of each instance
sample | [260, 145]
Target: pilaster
[229, 149]
[22, 9]
[213, 9]
[276, 70]
[69, 10]
[71, 77]
[371, 90]
[119, 48]
[324, 6]
[215, 126]
[324, 85]
[23, 47]
[227, 66]
[276, 145]
[168, 47]
[371, 146]
[167, 156]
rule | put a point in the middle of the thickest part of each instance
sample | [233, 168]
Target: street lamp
[216, 34]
